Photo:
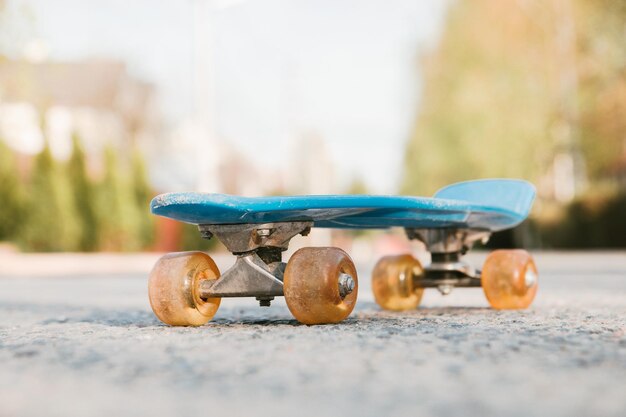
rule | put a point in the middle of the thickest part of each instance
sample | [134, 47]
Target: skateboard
[320, 284]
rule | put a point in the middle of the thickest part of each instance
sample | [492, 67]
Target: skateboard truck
[446, 270]
[258, 270]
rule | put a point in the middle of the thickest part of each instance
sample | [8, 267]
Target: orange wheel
[320, 285]
[392, 283]
[509, 279]
[174, 286]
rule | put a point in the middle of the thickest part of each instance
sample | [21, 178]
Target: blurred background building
[104, 104]
[97, 100]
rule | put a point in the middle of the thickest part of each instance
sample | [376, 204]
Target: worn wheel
[393, 285]
[174, 287]
[320, 285]
[509, 279]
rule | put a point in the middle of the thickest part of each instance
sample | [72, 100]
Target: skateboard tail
[515, 196]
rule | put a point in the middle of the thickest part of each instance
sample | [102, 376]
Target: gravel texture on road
[88, 345]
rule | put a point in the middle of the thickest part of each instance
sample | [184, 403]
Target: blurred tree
[536, 90]
[513, 85]
[486, 100]
[602, 69]
[11, 195]
[118, 215]
[594, 221]
[84, 192]
[143, 194]
[52, 223]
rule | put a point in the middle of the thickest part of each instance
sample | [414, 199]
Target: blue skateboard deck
[493, 204]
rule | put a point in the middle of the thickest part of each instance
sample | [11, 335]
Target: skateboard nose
[346, 284]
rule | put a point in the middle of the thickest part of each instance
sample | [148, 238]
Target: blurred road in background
[82, 340]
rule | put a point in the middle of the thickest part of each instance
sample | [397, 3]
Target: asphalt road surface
[75, 341]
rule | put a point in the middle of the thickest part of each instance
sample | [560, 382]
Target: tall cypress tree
[117, 211]
[142, 193]
[52, 222]
[84, 198]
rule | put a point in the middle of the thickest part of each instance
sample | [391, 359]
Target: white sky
[346, 69]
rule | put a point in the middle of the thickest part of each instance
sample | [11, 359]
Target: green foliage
[11, 195]
[486, 101]
[602, 84]
[511, 84]
[118, 214]
[85, 194]
[62, 208]
[142, 193]
[52, 222]
[591, 221]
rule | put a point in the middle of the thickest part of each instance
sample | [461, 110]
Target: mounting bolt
[205, 234]
[346, 284]
[265, 301]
